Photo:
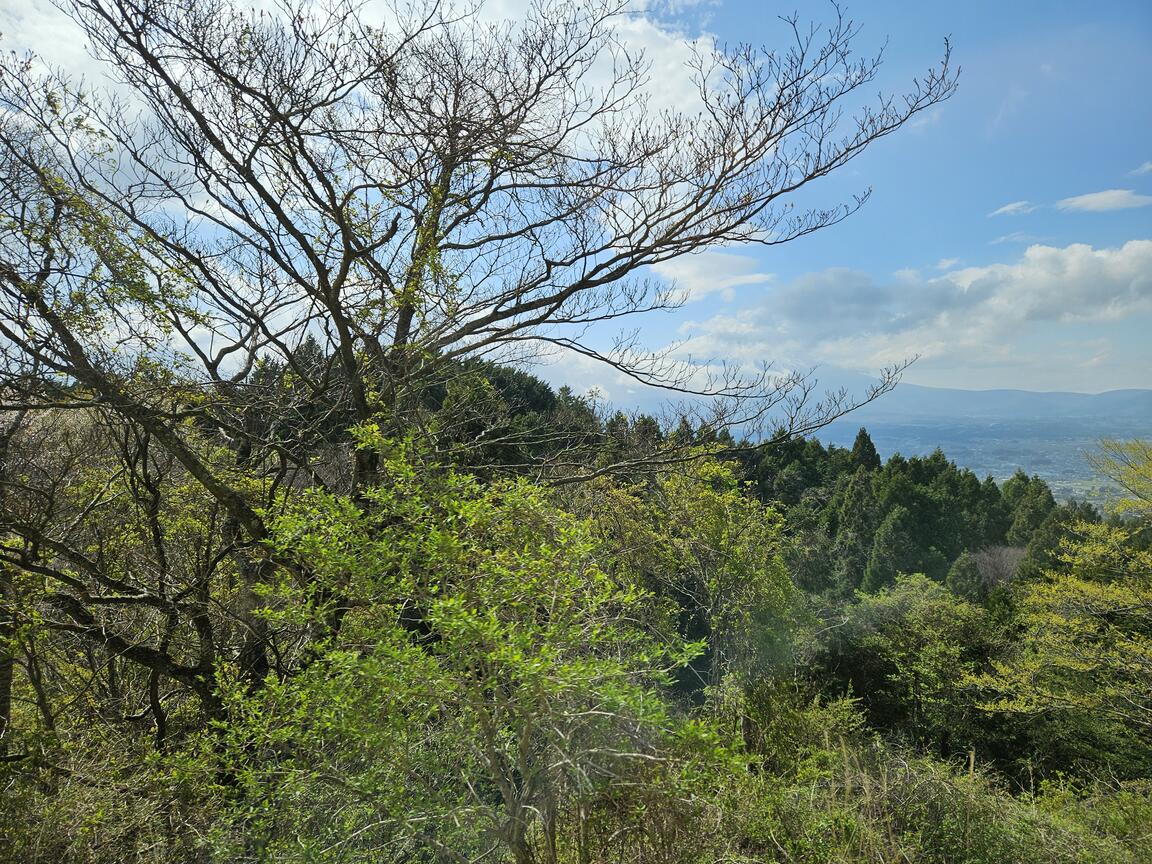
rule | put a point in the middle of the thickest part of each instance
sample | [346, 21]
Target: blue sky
[1008, 240]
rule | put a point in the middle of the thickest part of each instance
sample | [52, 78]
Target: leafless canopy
[406, 187]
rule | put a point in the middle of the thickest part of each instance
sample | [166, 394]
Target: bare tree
[997, 565]
[407, 194]
[400, 196]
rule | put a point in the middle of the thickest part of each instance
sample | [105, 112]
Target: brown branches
[284, 224]
[442, 186]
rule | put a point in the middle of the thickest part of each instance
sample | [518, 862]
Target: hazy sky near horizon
[1008, 240]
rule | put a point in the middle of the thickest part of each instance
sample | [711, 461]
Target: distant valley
[997, 431]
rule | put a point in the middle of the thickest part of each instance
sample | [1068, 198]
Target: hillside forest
[300, 563]
[793, 654]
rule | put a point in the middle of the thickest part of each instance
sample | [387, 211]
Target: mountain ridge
[920, 400]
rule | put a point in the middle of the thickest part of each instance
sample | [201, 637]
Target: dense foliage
[292, 571]
[797, 654]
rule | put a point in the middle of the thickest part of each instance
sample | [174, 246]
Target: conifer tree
[864, 453]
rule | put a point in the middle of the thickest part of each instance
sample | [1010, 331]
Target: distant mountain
[995, 432]
[913, 400]
[991, 432]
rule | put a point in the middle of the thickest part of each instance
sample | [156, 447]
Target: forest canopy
[298, 563]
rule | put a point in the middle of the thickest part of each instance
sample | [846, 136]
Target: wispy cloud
[1108, 199]
[1017, 237]
[961, 317]
[947, 263]
[1146, 168]
[927, 119]
[712, 273]
[1016, 208]
[1010, 104]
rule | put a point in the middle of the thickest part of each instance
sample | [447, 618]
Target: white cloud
[656, 28]
[1070, 283]
[1146, 168]
[1016, 208]
[965, 318]
[1109, 199]
[39, 26]
[712, 272]
[670, 53]
[947, 263]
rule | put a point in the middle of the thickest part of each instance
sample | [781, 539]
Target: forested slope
[292, 570]
[795, 653]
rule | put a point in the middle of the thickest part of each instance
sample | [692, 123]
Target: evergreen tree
[852, 519]
[893, 551]
[1030, 501]
[965, 579]
[994, 514]
[864, 453]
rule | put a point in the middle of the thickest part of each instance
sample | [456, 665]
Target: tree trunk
[7, 662]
